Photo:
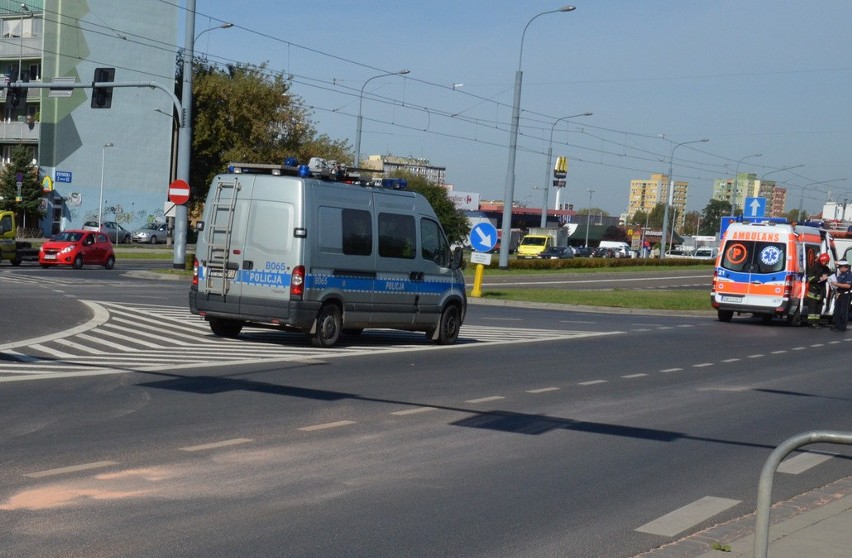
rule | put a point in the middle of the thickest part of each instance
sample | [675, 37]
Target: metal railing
[764, 488]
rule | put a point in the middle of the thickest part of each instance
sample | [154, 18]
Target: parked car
[77, 248]
[116, 233]
[557, 253]
[152, 233]
[584, 251]
[603, 253]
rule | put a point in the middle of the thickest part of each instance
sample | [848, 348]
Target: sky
[755, 77]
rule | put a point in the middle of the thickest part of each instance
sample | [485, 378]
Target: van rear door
[752, 275]
[224, 231]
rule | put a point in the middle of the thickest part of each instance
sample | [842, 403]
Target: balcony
[19, 131]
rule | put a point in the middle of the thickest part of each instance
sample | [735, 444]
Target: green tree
[655, 217]
[711, 216]
[795, 215]
[691, 221]
[453, 220]
[28, 211]
[613, 232]
[246, 113]
[640, 218]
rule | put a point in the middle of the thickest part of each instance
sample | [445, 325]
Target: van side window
[434, 247]
[397, 236]
[6, 223]
[345, 231]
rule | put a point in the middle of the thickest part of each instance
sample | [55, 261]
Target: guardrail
[764, 488]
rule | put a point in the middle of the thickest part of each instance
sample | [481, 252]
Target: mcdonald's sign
[560, 169]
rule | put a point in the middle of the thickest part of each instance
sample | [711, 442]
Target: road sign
[726, 221]
[179, 192]
[480, 258]
[754, 207]
[483, 237]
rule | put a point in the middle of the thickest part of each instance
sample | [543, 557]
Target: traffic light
[102, 96]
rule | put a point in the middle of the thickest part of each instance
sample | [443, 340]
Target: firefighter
[817, 289]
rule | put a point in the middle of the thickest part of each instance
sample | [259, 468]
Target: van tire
[725, 315]
[329, 325]
[448, 328]
[226, 328]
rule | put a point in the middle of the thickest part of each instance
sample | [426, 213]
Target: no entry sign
[179, 192]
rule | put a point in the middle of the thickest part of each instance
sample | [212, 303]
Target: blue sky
[754, 76]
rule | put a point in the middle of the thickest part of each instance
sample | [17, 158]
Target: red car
[77, 248]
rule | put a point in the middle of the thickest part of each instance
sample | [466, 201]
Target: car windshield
[68, 237]
[151, 226]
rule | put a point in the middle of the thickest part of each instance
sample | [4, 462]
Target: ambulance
[762, 268]
[313, 249]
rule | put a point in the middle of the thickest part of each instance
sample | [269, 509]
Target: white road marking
[683, 518]
[52, 352]
[729, 360]
[702, 364]
[755, 356]
[630, 376]
[592, 382]
[327, 425]
[216, 445]
[80, 347]
[542, 390]
[71, 469]
[778, 352]
[414, 411]
[800, 463]
[666, 370]
[485, 399]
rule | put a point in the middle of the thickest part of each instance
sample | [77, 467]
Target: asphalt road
[542, 433]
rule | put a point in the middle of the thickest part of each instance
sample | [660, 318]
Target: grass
[617, 298]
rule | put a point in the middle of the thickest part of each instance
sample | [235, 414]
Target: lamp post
[670, 195]
[101, 197]
[24, 9]
[805, 187]
[509, 193]
[549, 162]
[360, 118]
[736, 182]
[588, 217]
[185, 132]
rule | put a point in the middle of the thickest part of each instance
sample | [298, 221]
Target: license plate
[50, 256]
[726, 298]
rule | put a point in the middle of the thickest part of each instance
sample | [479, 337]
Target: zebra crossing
[123, 338]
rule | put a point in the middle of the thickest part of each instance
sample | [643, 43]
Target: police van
[761, 269]
[312, 249]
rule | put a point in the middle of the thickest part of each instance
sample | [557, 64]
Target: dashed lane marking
[71, 469]
[486, 399]
[217, 445]
[327, 425]
[688, 516]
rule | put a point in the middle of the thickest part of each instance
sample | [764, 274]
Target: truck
[540, 239]
[12, 249]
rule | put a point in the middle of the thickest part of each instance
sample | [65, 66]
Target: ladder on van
[219, 237]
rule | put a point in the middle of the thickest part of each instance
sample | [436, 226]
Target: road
[542, 433]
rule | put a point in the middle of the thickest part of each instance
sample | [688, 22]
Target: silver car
[115, 232]
[152, 233]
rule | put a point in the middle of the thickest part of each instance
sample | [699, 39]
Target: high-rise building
[735, 190]
[645, 194]
[124, 150]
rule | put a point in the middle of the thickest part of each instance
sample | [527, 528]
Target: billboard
[466, 201]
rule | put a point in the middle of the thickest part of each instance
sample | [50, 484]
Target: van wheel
[725, 315]
[328, 328]
[448, 327]
[226, 328]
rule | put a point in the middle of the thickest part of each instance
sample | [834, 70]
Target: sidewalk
[817, 523]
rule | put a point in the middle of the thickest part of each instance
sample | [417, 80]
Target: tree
[453, 220]
[613, 232]
[691, 222]
[29, 209]
[640, 218]
[711, 217]
[655, 218]
[794, 215]
[246, 113]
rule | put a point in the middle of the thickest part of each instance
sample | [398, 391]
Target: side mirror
[458, 258]
[199, 226]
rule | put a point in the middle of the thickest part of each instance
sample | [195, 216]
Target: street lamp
[736, 182]
[805, 187]
[360, 118]
[671, 196]
[588, 217]
[185, 132]
[24, 9]
[509, 193]
[548, 163]
[101, 198]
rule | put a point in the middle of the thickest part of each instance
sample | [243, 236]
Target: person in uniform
[817, 289]
[842, 284]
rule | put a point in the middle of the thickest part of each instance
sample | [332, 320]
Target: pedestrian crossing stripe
[143, 337]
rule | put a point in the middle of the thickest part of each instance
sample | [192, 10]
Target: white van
[621, 249]
[280, 247]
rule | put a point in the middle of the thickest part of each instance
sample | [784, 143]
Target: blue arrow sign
[754, 207]
[483, 237]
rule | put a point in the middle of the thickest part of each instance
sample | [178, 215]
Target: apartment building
[387, 164]
[645, 194]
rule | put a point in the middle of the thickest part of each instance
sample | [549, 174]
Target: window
[434, 246]
[754, 257]
[345, 231]
[397, 236]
